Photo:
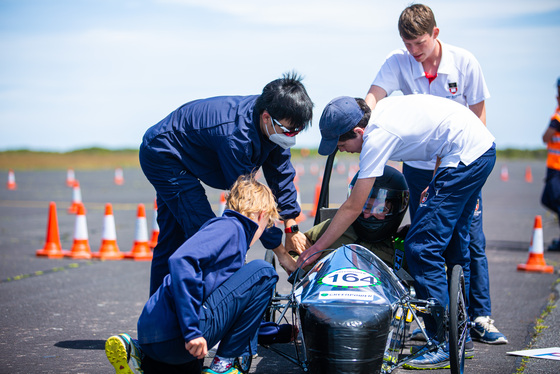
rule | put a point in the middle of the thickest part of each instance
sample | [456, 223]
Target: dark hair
[362, 124]
[286, 98]
[415, 21]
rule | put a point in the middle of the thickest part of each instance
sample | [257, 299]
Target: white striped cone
[11, 185]
[314, 169]
[300, 170]
[140, 249]
[302, 217]
[504, 175]
[222, 206]
[76, 198]
[70, 178]
[536, 261]
[119, 177]
[80, 247]
[340, 168]
[109, 249]
[155, 227]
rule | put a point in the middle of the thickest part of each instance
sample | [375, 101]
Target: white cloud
[119, 78]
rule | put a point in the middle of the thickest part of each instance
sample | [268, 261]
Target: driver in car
[375, 228]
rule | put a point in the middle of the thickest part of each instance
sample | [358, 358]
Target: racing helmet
[385, 208]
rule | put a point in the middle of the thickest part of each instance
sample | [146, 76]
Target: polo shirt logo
[452, 88]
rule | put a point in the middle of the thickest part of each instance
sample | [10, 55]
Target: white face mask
[281, 139]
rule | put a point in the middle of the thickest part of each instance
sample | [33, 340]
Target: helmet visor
[383, 202]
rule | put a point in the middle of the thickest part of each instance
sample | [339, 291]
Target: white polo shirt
[459, 78]
[421, 128]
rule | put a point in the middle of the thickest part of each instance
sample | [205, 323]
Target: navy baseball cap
[339, 116]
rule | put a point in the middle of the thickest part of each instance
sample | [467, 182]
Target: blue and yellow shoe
[430, 360]
[231, 370]
[123, 354]
[221, 365]
[469, 347]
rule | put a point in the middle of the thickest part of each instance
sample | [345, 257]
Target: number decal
[349, 278]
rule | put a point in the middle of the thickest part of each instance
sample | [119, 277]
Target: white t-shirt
[420, 128]
[459, 78]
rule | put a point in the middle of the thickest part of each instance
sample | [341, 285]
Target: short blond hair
[248, 196]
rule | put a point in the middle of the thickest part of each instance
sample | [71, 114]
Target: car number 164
[349, 278]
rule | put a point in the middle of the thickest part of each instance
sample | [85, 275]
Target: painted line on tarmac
[65, 205]
[101, 206]
[43, 272]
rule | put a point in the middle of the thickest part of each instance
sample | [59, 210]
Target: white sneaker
[484, 331]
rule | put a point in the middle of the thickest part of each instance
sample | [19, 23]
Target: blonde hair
[248, 196]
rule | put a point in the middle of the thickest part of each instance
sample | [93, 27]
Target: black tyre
[270, 312]
[458, 320]
[270, 258]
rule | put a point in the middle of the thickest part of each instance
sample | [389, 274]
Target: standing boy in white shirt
[428, 66]
[439, 231]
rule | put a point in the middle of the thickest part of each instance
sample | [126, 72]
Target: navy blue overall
[209, 292]
[212, 141]
[439, 232]
[479, 296]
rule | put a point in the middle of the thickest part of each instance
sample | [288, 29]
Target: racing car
[352, 311]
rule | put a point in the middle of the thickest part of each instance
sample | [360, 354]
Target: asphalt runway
[56, 314]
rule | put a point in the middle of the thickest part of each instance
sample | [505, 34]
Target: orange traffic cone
[76, 198]
[302, 217]
[140, 249]
[504, 175]
[352, 170]
[119, 178]
[536, 261]
[52, 248]
[222, 205]
[70, 178]
[109, 249]
[11, 185]
[300, 170]
[528, 175]
[314, 169]
[340, 168]
[313, 211]
[80, 247]
[155, 228]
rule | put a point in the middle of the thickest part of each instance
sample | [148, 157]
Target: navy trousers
[231, 315]
[183, 208]
[479, 295]
[439, 232]
[551, 194]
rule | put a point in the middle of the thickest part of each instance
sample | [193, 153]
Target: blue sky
[82, 73]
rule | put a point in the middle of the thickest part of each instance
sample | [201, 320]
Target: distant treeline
[102, 158]
[513, 153]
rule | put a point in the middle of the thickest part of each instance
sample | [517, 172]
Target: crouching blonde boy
[209, 296]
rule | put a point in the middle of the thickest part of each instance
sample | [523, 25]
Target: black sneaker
[554, 246]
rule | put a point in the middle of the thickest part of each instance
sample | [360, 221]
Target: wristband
[292, 229]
